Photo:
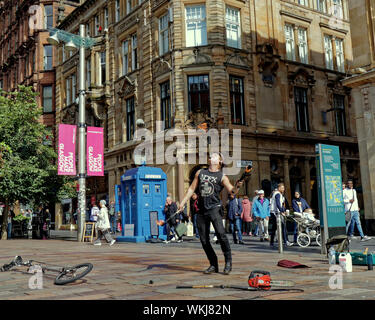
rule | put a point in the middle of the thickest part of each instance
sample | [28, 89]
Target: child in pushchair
[308, 228]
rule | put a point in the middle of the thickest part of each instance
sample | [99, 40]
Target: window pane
[237, 100]
[48, 16]
[47, 99]
[199, 98]
[302, 116]
[340, 55]
[196, 31]
[328, 52]
[302, 43]
[233, 27]
[289, 42]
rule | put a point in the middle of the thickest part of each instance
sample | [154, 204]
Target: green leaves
[27, 166]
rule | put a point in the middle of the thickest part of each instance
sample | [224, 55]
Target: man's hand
[181, 207]
[239, 184]
[351, 200]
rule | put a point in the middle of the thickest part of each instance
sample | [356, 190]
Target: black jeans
[273, 220]
[203, 223]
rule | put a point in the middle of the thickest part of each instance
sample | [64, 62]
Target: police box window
[146, 189]
[199, 93]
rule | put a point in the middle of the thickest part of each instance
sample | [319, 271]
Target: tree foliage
[27, 164]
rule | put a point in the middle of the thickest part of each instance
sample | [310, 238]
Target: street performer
[210, 183]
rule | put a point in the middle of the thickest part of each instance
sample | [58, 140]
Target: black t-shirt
[209, 186]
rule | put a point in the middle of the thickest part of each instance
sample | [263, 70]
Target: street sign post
[331, 204]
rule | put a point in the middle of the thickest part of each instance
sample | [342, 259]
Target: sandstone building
[271, 68]
[363, 89]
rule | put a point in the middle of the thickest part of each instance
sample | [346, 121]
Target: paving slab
[124, 271]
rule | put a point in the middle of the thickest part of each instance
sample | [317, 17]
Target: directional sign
[331, 204]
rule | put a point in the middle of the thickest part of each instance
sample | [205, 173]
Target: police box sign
[244, 163]
[152, 176]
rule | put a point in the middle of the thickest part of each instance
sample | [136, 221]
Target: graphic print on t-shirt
[207, 185]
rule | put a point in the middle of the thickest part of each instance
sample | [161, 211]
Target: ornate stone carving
[99, 110]
[301, 77]
[160, 68]
[128, 87]
[69, 114]
[237, 60]
[268, 63]
[197, 58]
[199, 120]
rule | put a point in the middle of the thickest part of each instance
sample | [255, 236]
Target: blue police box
[143, 195]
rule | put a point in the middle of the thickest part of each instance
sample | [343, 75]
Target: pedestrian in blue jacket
[234, 216]
[261, 212]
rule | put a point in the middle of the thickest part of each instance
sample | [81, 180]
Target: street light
[72, 42]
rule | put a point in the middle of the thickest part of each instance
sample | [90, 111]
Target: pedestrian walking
[94, 213]
[194, 213]
[234, 216]
[279, 206]
[299, 205]
[352, 209]
[261, 212]
[112, 217]
[102, 225]
[210, 182]
[170, 209]
[46, 219]
[246, 215]
[10, 224]
[255, 230]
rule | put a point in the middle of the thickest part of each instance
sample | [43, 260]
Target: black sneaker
[211, 269]
[228, 267]
[235, 242]
[241, 242]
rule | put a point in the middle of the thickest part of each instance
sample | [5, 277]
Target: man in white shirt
[351, 204]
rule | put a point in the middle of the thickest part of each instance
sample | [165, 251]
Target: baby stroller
[308, 228]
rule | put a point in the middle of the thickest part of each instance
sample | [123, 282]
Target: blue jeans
[195, 225]
[9, 230]
[355, 220]
[235, 226]
[112, 223]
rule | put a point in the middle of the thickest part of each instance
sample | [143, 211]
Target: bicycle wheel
[73, 274]
[303, 240]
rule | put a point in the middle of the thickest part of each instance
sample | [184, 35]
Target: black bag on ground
[340, 243]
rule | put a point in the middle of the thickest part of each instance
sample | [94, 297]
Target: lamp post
[72, 42]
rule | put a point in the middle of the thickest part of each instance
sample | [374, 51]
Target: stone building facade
[26, 58]
[269, 68]
[362, 83]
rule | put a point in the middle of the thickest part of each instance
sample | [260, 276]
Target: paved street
[124, 271]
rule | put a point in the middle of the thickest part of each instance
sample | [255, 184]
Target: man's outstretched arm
[190, 191]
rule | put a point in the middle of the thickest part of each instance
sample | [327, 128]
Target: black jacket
[169, 211]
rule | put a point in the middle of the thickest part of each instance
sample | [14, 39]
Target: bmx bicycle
[65, 274]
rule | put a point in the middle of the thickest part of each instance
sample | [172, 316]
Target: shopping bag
[190, 229]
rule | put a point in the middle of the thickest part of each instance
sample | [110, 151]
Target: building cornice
[359, 80]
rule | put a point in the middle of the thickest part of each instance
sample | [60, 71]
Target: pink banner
[95, 151]
[67, 150]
